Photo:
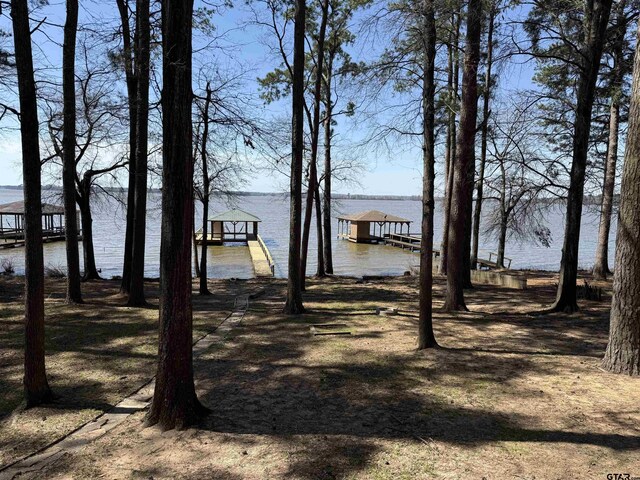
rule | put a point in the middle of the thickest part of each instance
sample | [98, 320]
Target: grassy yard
[511, 394]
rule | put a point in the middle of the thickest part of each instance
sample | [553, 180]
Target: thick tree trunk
[74, 293]
[143, 35]
[426, 337]
[132, 85]
[623, 350]
[326, 195]
[175, 404]
[462, 180]
[315, 136]
[454, 74]
[477, 212]
[601, 265]
[466, 255]
[293, 303]
[36, 387]
[596, 19]
[84, 201]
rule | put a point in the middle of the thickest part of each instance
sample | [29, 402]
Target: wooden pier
[12, 228]
[413, 243]
[233, 226]
[263, 264]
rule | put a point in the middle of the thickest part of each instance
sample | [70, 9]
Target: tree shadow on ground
[273, 385]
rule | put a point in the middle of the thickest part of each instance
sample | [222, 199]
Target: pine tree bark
[595, 23]
[175, 404]
[132, 85]
[326, 194]
[36, 386]
[293, 303]
[623, 351]
[143, 36]
[453, 83]
[426, 337]
[601, 265]
[74, 292]
[486, 98]
[462, 179]
[315, 136]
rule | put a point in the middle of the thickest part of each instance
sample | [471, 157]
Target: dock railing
[494, 254]
[267, 253]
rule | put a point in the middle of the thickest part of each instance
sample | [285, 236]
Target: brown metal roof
[375, 216]
[17, 208]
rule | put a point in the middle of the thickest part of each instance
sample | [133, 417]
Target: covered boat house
[12, 223]
[372, 226]
[232, 226]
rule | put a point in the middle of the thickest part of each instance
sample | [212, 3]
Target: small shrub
[590, 292]
[6, 266]
[54, 272]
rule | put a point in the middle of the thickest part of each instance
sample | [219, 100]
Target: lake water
[273, 210]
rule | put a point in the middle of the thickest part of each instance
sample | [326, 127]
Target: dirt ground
[511, 394]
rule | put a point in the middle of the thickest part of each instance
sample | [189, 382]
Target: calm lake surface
[273, 210]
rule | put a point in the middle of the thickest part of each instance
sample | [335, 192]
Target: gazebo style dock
[233, 226]
[361, 227]
[12, 224]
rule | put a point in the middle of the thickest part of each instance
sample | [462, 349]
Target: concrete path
[107, 421]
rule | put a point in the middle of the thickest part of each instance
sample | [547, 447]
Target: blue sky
[394, 173]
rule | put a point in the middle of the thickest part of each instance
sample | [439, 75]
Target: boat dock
[414, 244]
[12, 230]
[233, 226]
[379, 227]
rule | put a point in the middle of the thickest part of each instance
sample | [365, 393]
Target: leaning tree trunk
[315, 136]
[453, 82]
[175, 404]
[426, 337]
[596, 19]
[143, 35]
[36, 386]
[486, 97]
[84, 201]
[462, 180]
[293, 303]
[623, 350]
[74, 293]
[601, 265]
[132, 86]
